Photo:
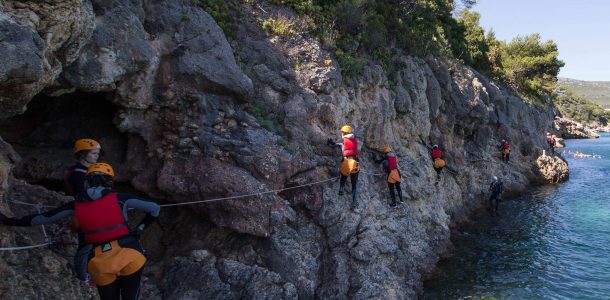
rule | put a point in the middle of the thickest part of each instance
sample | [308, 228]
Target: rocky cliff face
[186, 115]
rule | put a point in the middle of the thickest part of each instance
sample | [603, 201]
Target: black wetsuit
[496, 188]
[354, 181]
[127, 286]
[75, 179]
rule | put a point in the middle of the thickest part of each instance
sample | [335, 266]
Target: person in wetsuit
[496, 188]
[86, 152]
[116, 258]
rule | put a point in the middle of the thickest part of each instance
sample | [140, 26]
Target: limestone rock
[553, 168]
[194, 116]
[573, 130]
[37, 39]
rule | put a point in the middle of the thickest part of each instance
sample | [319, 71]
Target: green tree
[471, 44]
[530, 66]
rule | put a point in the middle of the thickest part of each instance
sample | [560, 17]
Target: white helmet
[495, 178]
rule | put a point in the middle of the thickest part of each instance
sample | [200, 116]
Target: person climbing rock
[86, 152]
[504, 150]
[116, 258]
[496, 188]
[552, 142]
[349, 162]
[390, 165]
[438, 162]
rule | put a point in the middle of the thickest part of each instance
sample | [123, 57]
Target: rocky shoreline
[570, 129]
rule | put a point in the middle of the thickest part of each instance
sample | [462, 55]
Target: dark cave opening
[44, 134]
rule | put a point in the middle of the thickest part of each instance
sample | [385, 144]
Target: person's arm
[386, 165]
[50, 216]
[151, 208]
[331, 143]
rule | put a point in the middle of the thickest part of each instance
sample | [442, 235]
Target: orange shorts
[111, 260]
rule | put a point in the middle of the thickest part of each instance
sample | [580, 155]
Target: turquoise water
[552, 243]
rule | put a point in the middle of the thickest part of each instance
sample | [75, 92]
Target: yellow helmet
[86, 144]
[387, 149]
[346, 129]
[101, 168]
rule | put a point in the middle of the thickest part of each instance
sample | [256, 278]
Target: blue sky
[581, 29]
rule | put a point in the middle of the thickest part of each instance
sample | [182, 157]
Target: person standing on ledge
[504, 150]
[496, 188]
[390, 165]
[349, 161]
[87, 152]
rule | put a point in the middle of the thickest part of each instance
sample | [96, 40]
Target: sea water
[551, 243]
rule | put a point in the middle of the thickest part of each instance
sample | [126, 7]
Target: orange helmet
[387, 149]
[101, 168]
[346, 129]
[86, 144]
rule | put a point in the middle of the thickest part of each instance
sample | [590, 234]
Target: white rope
[38, 206]
[380, 174]
[31, 204]
[248, 195]
[233, 197]
[44, 230]
[24, 247]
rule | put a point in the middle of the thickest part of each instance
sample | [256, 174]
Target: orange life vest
[101, 220]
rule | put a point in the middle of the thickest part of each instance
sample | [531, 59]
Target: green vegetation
[221, 11]
[578, 108]
[530, 66]
[280, 26]
[360, 31]
[595, 91]
[363, 31]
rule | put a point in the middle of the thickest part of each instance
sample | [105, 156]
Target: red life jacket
[392, 163]
[436, 153]
[505, 145]
[350, 147]
[101, 220]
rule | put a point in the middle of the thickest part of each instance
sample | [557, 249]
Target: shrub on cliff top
[529, 65]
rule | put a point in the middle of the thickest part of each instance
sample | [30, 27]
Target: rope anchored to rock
[50, 243]
[248, 195]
